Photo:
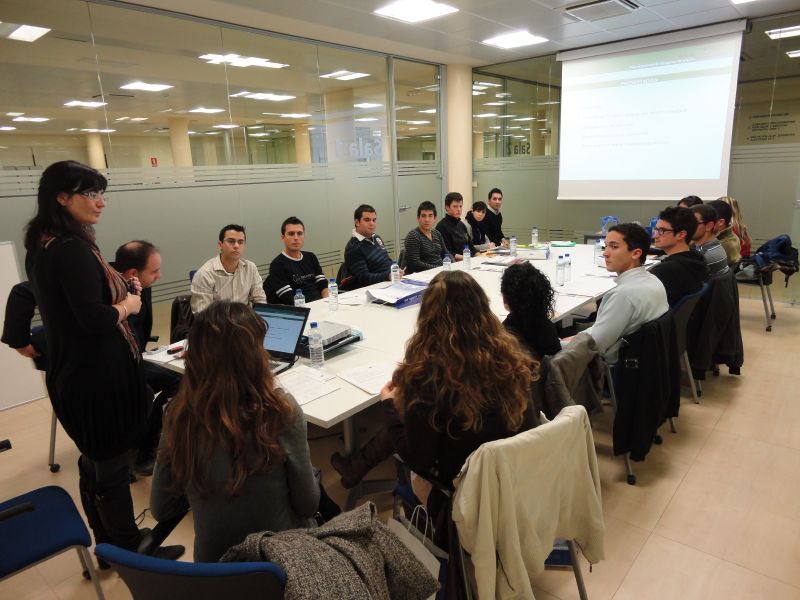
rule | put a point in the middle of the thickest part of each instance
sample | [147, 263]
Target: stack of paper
[402, 292]
[307, 384]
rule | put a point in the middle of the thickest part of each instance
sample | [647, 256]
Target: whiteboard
[21, 382]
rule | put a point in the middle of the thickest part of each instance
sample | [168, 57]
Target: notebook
[285, 325]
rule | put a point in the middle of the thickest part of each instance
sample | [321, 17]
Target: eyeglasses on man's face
[663, 230]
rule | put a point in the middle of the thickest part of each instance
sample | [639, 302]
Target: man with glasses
[683, 270]
[706, 243]
[227, 276]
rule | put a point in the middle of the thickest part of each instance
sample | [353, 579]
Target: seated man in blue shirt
[365, 255]
[294, 269]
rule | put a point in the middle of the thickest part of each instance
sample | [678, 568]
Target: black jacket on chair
[647, 386]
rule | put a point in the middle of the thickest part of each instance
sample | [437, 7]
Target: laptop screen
[285, 326]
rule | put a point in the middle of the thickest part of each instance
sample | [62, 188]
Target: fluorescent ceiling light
[295, 115]
[240, 94]
[415, 122]
[793, 54]
[72, 129]
[213, 132]
[548, 102]
[525, 119]
[207, 111]
[515, 127]
[7, 128]
[99, 130]
[783, 32]
[226, 126]
[268, 96]
[487, 84]
[344, 75]
[502, 94]
[485, 115]
[741, 1]
[430, 111]
[413, 128]
[85, 104]
[191, 132]
[403, 107]
[515, 39]
[241, 61]
[499, 103]
[365, 119]
[367, 105]
[122, 119]
[506, 116]
[261, 134]
[145, 87]
[415, 11]
[138, 118]
[27, 33]
[14, 114]
[474, 93]
[33, 119]
[496, 127]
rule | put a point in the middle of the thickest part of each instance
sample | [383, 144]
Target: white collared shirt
[212, 282]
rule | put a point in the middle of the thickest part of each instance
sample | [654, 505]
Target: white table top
[386, 329]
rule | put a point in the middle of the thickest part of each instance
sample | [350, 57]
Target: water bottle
[333, 295]
[395, 273]
[560, 268]
[599, 260]
[567, 268]
[512, 245]
[534, 235]
[446, 263]
[467, 258]
[299, 299]
[315, 347]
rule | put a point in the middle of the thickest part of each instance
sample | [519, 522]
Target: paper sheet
[370, 378]
[307, 384]
[589, 286]
[396, 292]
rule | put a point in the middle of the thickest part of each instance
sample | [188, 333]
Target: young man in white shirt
[639, 296]
[227, 276]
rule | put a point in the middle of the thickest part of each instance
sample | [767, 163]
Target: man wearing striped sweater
[365, 256]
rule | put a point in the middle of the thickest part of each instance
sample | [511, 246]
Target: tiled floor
[715, 513]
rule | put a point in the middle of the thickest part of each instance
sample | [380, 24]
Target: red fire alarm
[153, 161]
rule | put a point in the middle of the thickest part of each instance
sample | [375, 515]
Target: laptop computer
[285, 325]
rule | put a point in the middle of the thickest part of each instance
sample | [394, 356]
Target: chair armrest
[152, 338]
[15, 510]
[159, 533]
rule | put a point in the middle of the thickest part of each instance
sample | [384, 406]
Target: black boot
[353, 468]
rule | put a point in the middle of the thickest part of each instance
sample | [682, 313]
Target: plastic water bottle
[315, 347]
[395, 272]
[333, 295]
[467, 258]
[512, 245]
[534, 235]
[599, 260]
[446, 263]
[560, 268]
[299, 299]
[567, 268]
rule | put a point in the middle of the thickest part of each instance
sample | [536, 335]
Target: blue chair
[191, 274]
[150, 578]
[40, 525]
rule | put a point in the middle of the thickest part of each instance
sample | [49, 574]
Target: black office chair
[681, 312]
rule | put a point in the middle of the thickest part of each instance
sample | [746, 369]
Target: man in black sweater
[682, 271]
[493, 223]
[294, 269]
[365, 256]
[455, 234]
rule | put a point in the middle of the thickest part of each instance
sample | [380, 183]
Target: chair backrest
[401, 259]
[682, 311]
[191, 274]
[181, 318]
[344, 279]
[158, 579]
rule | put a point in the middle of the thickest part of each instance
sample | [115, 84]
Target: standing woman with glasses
[94, 378]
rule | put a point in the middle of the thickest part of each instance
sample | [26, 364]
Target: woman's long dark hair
[52, 219]
[228, 400]
[462, 361]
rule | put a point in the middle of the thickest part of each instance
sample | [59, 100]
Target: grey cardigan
[353, 556]
[283, 498]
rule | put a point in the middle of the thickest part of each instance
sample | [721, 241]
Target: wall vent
[600, 9]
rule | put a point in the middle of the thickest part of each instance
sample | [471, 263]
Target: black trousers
[163, 384]
[106, 498]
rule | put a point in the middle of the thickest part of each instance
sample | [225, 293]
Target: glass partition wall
[198, 125]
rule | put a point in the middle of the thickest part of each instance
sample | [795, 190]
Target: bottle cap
[313, 324]
[298, 291]
[333, 279]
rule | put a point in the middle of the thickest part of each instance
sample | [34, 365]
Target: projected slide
[649, 124]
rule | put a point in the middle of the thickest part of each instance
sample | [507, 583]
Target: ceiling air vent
[600, 9]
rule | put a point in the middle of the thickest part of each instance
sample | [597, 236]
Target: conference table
[386, 329]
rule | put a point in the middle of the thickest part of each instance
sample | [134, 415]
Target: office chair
[150, 578]
[39, 525]
[763, 279]
[681, 312]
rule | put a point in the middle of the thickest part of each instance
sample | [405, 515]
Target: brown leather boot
[354, 468]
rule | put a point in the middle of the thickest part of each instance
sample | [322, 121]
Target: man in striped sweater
[365, 256]
[293, 269]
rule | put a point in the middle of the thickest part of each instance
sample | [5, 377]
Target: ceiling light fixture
[7, 128]
[261, 134]
[295, 116]
[226, 126]
[27, 33]
[485, 115]
[83, 104]
[33, 119]
[145, 87]
[367, 105]
[343, 75]
[122, 119]
[268, 96]
[515, 39]
[14, 114]
[486, 84]
[241, 61]
[783, 32]
[526, 119]
[240, 94]
[429, 111]
[415, 11]
[92, 130]
[138, 118]
[207, 111]
[793, 54]
[365, 119]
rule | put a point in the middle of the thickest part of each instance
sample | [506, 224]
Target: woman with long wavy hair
[464, 381]
[234, 445]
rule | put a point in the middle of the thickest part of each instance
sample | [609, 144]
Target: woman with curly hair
[464, 381]
[530, 299]
[234, 443]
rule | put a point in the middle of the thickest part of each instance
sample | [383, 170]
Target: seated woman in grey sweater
[234, 446]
